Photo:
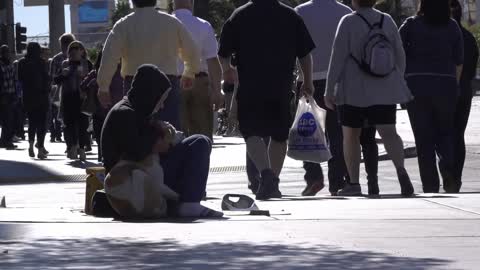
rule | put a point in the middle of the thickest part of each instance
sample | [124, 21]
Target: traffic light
[3, 34]
[20, 37]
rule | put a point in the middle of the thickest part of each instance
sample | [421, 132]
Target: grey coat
[347, 82]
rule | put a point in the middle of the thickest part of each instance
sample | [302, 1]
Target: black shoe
[373, 189]
[405, 183]
[8, 146]
[88, 148]
[313, 188]
[268, 188]
[52, 140]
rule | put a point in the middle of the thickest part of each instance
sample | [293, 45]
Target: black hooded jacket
[33, 77]
[127, 133]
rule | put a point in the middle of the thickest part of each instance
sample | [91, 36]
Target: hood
[34, 51]
[149, 84]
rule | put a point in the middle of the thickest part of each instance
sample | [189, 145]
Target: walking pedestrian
[434, 47]
[134, 41]
[464, 102]
[365, 95]
[33, 76]
[55, 70]
[74, 70]
[267, 48]
[206, 95]
[321, 18]
[7, 98]
[116, 94]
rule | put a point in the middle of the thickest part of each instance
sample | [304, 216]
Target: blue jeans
[171, 112]
[186, 167]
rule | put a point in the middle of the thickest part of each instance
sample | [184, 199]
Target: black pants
[76, 123]
[462, 113]
[37, 120]
[432, 120]
[97, 131]
[19, 120]
[7, 113]
[337, 170]
[54, 123]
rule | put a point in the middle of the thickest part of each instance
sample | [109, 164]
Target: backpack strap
[380, 23]
[365, 20]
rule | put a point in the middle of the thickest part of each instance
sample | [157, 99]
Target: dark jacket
[34, 79]
[470, 63]
[127, 133]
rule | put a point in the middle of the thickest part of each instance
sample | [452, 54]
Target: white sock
[197, 210]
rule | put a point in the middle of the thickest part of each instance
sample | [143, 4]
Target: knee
[201, 144]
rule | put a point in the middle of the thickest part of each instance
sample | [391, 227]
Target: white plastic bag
[306, 141]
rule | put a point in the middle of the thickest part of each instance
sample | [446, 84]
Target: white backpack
[378, 55]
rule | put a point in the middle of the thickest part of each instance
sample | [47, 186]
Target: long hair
[456, 10]
[436, 12]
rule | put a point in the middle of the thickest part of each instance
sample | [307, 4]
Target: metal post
[57, 23]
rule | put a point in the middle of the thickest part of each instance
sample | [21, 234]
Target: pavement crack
[452, 207]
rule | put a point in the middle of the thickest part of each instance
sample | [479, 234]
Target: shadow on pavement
[128, 253]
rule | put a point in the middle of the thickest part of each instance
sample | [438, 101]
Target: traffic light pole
[6, 18]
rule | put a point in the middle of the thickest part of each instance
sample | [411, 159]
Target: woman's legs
[351, 150]
[393, 144]
[370, 158]
[42, 127]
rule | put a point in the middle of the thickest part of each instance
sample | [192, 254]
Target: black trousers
[432, 119]
[76, 123]
[37, 120]
[337, 170]
[98, 121]
[7, 114]
[54, 123]
[462, 113]
[19, 120]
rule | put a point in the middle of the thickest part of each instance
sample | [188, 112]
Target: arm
[215, 72]
[338, 59]
[112, 52]
[458, 52]
[136, 146]
[306, 64]
[188, 52]
[459, 70]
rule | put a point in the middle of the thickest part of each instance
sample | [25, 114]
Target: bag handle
[379, 24]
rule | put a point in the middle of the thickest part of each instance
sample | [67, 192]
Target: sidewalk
[43, 226]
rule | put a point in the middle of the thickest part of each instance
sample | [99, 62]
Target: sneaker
[350, 191]
[42, 153]
[268, 187]
[313, 188]
[405, 183]
[81, 154]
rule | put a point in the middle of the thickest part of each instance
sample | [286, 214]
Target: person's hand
[330, 102]
[307, 89]
[169, 132]
[217, 99]
[104, 98]
[186, 83]
[230, 76]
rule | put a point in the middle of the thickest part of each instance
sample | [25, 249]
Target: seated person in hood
[131, 134]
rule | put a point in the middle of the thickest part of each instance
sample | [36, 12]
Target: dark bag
[89, 89]
[101, 206]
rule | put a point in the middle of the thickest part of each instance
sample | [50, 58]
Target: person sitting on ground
[130, 133]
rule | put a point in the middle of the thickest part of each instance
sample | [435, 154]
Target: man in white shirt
[148, 36]
[198, 102]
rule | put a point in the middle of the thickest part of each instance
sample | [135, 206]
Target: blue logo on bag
[307, 125]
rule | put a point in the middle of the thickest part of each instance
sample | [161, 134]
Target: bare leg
[277, 152]
[351, 150]
[258, 153]
[393, 144]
